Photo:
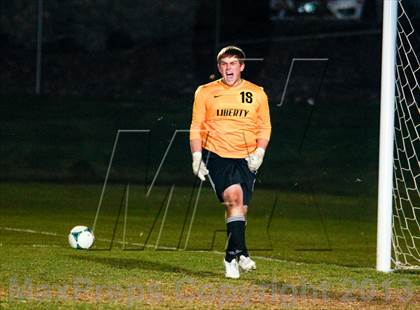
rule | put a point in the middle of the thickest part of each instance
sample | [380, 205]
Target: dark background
[128, 48]
[109, 65]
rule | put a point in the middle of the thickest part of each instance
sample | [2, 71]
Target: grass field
[311, 226]
[303, 261]
[312, 222]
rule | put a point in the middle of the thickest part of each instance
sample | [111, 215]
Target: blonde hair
[231, 50]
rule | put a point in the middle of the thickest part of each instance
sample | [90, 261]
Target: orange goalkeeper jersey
[230, 119]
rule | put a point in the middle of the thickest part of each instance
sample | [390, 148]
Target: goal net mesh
[406, 192]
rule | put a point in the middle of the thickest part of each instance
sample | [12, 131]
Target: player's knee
[232, 203]
[233, 197]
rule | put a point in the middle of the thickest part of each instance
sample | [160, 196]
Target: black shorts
[225, 172]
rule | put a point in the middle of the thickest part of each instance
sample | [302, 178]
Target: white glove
[198, 166]
[255, 159]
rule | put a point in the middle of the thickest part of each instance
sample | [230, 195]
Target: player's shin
[236, 233]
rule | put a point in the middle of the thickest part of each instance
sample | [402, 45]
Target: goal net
[406, 183]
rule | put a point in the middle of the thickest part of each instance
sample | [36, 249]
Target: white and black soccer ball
[81, 237]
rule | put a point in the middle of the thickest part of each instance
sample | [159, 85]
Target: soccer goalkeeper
[230, 131]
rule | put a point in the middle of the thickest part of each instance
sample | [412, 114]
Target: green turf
[292, 250]
[56, 276]
[293, 226]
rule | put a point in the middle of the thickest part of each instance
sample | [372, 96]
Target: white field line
[31, 231]
[46, 233]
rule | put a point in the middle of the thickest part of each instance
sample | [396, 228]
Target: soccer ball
[81, 237]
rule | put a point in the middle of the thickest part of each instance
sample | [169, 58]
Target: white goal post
[398, 233]
[386, 140]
